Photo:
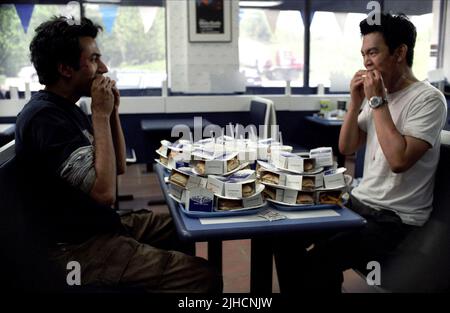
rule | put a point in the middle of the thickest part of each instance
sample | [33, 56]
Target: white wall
[205, 67]
[446, 64]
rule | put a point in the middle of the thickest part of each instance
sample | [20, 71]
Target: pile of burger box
[215, 174]
[302, 180]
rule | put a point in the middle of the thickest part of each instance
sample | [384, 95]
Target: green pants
[144, 260]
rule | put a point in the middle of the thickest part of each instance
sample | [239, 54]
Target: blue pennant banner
[108, 13]
[24, 11]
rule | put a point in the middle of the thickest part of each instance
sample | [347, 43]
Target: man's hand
[116, 96]
[357, 88]
[102, 96]
[374, 85]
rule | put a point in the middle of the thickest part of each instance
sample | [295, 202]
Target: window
[336, 43]
[134, 52]
[15, 65]
[335, 47]
[271, 47]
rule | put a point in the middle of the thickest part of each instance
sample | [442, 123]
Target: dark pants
[148, 259]
[320, 268]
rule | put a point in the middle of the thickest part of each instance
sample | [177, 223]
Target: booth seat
[421, 263]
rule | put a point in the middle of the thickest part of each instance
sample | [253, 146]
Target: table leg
[215, 254]
[260, 267]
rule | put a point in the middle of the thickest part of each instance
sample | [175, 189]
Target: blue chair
[23, 265]
[24, 262]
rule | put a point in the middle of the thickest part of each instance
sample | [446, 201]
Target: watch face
[375, 102]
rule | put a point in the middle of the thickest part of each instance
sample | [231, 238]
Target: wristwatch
[377, 101]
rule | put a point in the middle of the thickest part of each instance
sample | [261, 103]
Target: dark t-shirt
[48, 130]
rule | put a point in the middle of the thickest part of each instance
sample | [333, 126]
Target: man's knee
[186, 273]
[209, 279]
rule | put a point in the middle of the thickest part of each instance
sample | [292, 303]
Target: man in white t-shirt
[399, 120]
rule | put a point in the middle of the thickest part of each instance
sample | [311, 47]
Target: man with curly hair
[71, 165]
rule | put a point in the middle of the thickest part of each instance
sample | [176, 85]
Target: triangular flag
[272, 18]
[148, 15]
[340, 18]
[108, 13]
[24, 11]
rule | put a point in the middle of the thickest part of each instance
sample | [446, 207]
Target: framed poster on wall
[209, 20]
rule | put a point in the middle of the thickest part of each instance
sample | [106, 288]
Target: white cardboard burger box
[231, 186]
[253, 201]
[192, 179]
[199, 199]
[334, 178]
[281, 176]
[323, 156]
[219, 164]
[294, 181]
[178, 192]
[290, 196]
[320, 192]
[290, 161]
[163, 150]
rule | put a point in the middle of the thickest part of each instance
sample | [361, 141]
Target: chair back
[422, 261]
[262, 115]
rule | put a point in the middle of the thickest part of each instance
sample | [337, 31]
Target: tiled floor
[236, 263]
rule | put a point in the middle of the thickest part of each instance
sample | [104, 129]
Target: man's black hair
[57, 42]
[396, 30]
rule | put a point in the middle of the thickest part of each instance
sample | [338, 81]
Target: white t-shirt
[419, 111]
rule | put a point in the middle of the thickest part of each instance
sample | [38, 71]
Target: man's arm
[117, 134]
[401, 152]
[104, 187]
[351, 137]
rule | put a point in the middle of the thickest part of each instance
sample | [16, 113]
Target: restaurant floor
[236, 253]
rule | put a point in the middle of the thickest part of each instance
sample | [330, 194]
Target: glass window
[336, 44]
[423, 61]
[271, 47]
[15, 65]
[134, 52]
[335, 47]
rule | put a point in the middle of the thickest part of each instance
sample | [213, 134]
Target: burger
[308, 165]
[248, 190]
[270, 193]
[200, 167]
[270, 178]
[179, 179]
[305, 198]
[330, 197]
[308, 183]
[232, 164]
[228, 204]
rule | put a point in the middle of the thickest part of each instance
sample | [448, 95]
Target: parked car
[285, 66]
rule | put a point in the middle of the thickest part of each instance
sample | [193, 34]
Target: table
[192, 229]
[328, 130]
